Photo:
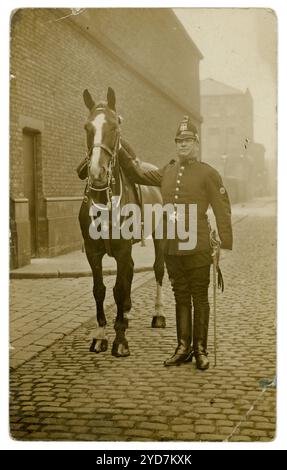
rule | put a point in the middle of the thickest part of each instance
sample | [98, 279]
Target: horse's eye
[110, 128]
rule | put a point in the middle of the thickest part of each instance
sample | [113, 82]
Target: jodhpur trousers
[190, 286]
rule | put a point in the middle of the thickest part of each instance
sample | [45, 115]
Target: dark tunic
[191, 183]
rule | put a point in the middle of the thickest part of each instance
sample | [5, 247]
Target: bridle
[110, 172]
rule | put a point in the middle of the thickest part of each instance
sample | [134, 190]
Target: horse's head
[102, 129]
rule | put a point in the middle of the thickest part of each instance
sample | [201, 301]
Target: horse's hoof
[120, 350]
[158, 322]
[99, 345]
[93, 344]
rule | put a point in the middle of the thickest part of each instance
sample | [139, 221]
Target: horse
[107, 182]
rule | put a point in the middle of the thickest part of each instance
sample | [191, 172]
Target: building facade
[153, 66]
[227, 138]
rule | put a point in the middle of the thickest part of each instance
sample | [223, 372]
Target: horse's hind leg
[99, 342]
[158, 320]
[122, 290]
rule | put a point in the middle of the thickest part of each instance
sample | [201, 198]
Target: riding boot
[183, 352]
[200, 332]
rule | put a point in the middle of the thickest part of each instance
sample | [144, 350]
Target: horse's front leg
[99, 341]
[122, 290]
[158, 320]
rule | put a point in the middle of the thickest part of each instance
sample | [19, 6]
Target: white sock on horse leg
[159, 304]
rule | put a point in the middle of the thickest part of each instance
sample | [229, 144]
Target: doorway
[30, 184]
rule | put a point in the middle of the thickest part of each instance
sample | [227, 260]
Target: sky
[239, 49]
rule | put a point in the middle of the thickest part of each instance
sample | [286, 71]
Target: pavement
[75, 264]
[61, 391]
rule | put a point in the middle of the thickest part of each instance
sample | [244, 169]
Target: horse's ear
[111, 99]
[89, 102]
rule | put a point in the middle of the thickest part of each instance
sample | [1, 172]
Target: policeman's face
[187, 148]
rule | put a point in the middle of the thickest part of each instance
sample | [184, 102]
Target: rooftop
[212, 87]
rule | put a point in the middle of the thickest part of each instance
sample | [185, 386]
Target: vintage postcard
[143, 239]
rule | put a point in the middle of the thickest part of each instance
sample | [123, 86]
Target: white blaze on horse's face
[97, 171]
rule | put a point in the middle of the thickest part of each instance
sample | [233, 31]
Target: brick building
[228, 122]
[227, 138]
[144, 54]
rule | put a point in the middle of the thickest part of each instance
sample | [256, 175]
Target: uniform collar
[189, 161]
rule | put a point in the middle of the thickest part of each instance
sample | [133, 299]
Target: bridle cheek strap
[112, 162]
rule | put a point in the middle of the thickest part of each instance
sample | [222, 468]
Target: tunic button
[175, 205]
[176, 196]
[178, 181]
[177, 189]
[182, 167]
[179, 174]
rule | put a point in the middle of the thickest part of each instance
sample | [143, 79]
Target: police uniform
[190, 182]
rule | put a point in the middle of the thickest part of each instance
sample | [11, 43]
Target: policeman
[186, 180]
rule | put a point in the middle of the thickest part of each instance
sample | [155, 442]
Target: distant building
[258, 174]
[144, 54]
[227, 122]
[227, 138]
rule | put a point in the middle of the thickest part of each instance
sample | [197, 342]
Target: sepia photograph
[143, 225]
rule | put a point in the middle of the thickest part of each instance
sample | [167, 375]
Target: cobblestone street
[65, 392]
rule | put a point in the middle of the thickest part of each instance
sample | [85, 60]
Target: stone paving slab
[75, 264]
[68, 393]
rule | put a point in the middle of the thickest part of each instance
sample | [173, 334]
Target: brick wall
[144, 54]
